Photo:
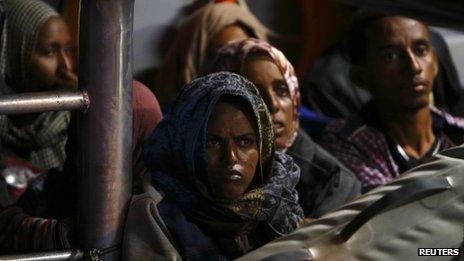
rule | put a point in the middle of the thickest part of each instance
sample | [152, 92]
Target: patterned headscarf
[42, 142]
[189, 50]
[175, 156]
[233, 56]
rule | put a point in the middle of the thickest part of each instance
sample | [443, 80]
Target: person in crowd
[226, 191]
[36, 56]
[324, 182]
[392, 58]
[327, 88]
[198, 36]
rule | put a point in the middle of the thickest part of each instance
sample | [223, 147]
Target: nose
[231, 153]
[413, 63]
[65, 61]
[273, 103]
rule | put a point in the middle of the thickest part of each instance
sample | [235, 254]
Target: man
[392, 58]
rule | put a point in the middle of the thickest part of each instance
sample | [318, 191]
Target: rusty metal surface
[49, 256]
[105, 70]
[43, 101]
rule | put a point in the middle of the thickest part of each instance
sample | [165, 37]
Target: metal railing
[48, 256]
[105, 68]
[43, 101]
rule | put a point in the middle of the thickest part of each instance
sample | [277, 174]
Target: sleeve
[341, 186]
[146, 237]
[325, 183]
[23, 233]
[365, 167]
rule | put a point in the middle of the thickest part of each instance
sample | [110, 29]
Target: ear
[357, 76]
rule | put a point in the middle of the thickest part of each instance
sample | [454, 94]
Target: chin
[417, 105]
[226, 194]
[280, 144]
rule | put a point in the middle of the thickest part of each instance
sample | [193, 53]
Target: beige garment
[146, 237]
[187, 54]
[428, 220]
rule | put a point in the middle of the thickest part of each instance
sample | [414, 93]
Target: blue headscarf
[175, 154]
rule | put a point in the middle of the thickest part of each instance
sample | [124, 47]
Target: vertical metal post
[105, 70]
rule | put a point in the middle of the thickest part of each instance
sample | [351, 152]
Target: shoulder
[449, 119]
[146, 235]
[350, 133]
[143, 98]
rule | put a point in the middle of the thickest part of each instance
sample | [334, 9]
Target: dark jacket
[325, 183]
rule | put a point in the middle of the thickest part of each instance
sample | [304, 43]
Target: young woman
[225, 190]
[36, 56]
[324, 183]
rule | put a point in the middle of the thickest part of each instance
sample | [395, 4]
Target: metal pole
[105, 70]
[43, 101]
[49, 256]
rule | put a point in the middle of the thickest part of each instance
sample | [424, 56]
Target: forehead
[55, 27]
[261, 65]
[396, 29]
[228, 116]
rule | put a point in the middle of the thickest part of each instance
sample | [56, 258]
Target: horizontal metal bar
[22, 103]
[49, 256]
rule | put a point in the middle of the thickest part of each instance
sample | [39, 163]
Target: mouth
[419, 86]
[233, 175]
[279, 128]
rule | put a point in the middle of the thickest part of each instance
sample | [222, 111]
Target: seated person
[225, 191]
[327, 88]
[324, 182]
[199, 34]
[391, 57]
[38, 58]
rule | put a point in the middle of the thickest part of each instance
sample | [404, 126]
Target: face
[265, 74]
[231, 151]
[401, 64]
[52, 62]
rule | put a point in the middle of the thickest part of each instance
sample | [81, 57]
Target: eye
[68, 48]
[49, 51]
[245, 142]
[213, 143]
[282, 90]
[390, 55]
[422, 50]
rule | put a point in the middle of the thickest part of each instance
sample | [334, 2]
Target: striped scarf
[42, 142]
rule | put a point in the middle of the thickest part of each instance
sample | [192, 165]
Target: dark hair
[356, 42]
